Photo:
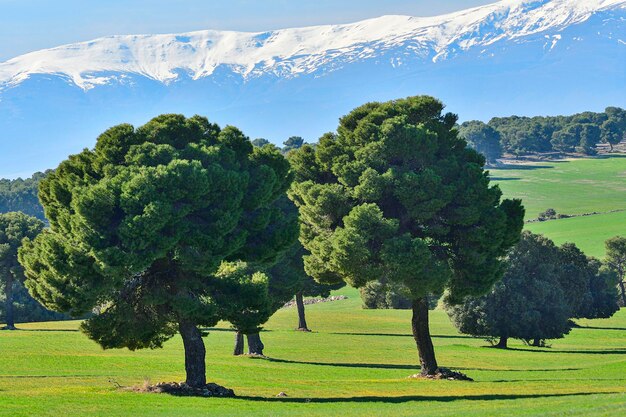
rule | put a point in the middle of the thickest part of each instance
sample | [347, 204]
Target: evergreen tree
[21, 195]
[543, 287]
[140, 225]
[396, 194]
[613, 129]
[529, 302]
[603, 288]
[294, 142]
[616, 260]
[482, 138]
[14, 227]
[260, 142]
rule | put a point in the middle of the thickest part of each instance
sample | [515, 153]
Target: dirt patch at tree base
[184, 390]
[444, 373]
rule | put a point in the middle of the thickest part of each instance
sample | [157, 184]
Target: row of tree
[526, 135]
[162, 229]
[175, 225]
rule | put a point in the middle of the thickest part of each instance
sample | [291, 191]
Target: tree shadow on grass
[222, 329]
[349, 365]
[581, 352]
[552, 380]
[404, 335]
[47, 330]
[517, 370]
[505, 178]
[410, 398]
[601, 328]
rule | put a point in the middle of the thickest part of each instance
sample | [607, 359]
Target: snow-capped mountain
[514, 56]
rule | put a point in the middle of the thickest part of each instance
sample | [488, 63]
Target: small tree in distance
[396, 194]
[14, 227]
[140, 225]
[482, 138]
[616, 260]
[294, 142]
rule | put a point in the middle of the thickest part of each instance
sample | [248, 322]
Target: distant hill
[512, 57]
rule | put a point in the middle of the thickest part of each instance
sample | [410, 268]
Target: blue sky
[29, 25]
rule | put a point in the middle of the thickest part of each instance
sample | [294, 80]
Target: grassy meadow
[572, 187]
[356, 362]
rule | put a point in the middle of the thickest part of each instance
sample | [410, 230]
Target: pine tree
[140, 225]
[14, 227]
[396, 194]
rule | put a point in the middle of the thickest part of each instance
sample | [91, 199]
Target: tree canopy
[21, 195]
[543, 287]
[395, 193]
[14, 228]
[293, 142]
[140, 225]
[616, 260]
[579, 132]
[482, 138]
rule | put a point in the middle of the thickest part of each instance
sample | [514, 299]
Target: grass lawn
[589, 232]
[571, 187]
[356, 362]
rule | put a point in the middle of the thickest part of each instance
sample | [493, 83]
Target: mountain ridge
[292, 52]
[538, 57]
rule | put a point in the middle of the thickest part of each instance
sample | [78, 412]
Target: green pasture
[355, 363]
[589, 232]
[571, 187]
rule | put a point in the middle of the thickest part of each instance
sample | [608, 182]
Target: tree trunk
[195, 353]
[238, 343]
[623, 291]
[537, 342]
[502, 343]
[301, 318]
[421, 333]
[255, 346]
[8, 290]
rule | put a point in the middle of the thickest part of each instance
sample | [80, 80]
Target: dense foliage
[577, 133]
[396, 194]
[140, 225]
[543, 287]
[483, 139]
[25, 308]
[616, 260]
[14, 228]
[21, 195]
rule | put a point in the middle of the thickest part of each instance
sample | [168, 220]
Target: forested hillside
[516, 135]
[21, 195]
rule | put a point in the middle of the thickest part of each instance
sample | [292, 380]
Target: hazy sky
[29, 25]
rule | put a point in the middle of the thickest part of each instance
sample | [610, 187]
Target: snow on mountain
[290, 53]
[528, 57]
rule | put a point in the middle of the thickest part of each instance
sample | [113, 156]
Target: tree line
[172, 226]
[527, 135]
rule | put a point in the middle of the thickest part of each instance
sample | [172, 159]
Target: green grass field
[589, 233]
[571, 187]
[355, 363]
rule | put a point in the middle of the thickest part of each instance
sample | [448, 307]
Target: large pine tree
[140, 225]
[396, 193]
